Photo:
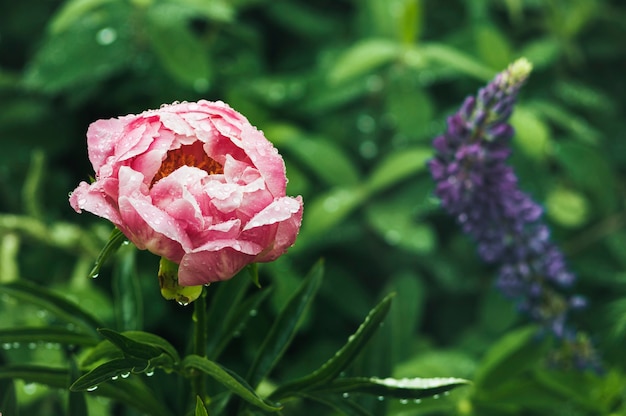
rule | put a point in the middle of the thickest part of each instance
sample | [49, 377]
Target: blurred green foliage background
[352, 93]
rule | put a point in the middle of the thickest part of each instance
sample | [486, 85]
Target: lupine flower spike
[478, 188]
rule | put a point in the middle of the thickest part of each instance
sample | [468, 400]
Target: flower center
[188, 155]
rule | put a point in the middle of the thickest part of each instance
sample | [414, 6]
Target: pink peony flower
[195, 183]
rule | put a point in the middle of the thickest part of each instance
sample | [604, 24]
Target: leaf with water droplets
[404, 389]
[140, 344]
[106, 372]
[56, 335]
[115, 241]
[52, 302]
[342, 358]
[285, 326]
[229, 380]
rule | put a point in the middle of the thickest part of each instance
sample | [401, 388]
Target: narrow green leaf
[221, 310]
[72, 11]
[51, 377]
[342, 358]
[127, 291]
[200, 408]
[51, 301]
[8, 398]
[325, 159]
[115, 242]
[139, 344]
[339, 405]
[228, 379]
[253, 270]
[439, 54]
[77, 405]
[407, 388]
[244, 312]
[108, 371]
[47, 334]
[179, 50]
[363, 57]
[515, 352]
[398, 166]
[329, 209]
[133, 393]
[285, 326]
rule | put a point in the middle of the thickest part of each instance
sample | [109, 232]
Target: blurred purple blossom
[478, 188]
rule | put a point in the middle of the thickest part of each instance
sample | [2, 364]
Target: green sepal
[284, 328]
[170, 289]
[228, 379]
[115, 242]
[344, 357]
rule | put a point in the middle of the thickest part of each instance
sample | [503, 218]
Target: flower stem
[199, 345]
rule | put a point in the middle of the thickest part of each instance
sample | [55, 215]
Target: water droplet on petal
[182, 303]
[92, 388]
[150, 373]
[125, 375]
[115, 378]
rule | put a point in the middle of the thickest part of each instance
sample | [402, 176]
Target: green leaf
[221, 311]
[440, 54]
[492, 45]
[77, 404]
[139, 344]
[339, 405]
[8, 398]
[47, 334]
[228, 379]
[568, 121]
[216, 10]
[567, 207]
[399, 166]
[342, 358]
[237, 320]
[108, 371]
[285, 326]
[532, 134]
[328, 210]
[253, 270]
[51, 301]
[407, 388]
[127, 291]
[87, 50]
[71, 11]
[325, 159]
[363, 57]
[179, 50]
[512, 354]
[200, 408]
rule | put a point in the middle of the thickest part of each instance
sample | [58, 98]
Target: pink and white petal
[102, 135]
[278, 232]
[139, 139]
[219, 261]
[93, 199]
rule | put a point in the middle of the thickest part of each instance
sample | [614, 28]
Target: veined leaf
[47, 334]
[51, 301]
[285, 326]
[407, 388]
[344, 357]
[228, 379]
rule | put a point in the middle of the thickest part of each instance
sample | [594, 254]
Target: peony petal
[218, 260]
[93, 199]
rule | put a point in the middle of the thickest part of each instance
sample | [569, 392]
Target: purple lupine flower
[478, 188]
